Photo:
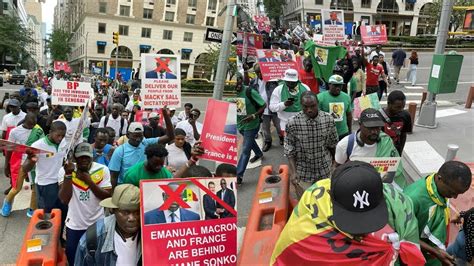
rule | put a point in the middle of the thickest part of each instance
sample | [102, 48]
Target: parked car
[16, 78]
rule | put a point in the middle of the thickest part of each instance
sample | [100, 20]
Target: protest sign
[333, 25]
[386, 166]
[161, 81]
[62, 66]
[301, 33]
[363, 102]
[185, 222]
[374, 34]
[77, 137]
[6, 145]
[71, 93]
[350, 46]
[263, 23]
[274, 63]
[253, 42]
[142, 116]
[219, 132]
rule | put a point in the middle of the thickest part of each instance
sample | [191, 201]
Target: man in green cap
[338, 104]
[115, 239]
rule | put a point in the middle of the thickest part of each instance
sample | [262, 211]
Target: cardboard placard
[70, 93]
[333, 25]
[252, 42]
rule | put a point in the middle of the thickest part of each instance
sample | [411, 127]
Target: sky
[48, 14]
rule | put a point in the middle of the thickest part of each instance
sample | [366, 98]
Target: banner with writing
[363, 102]
[189, 221]
[374, 34]
[161, 81]
[247, 43]
[219, 132]
[274, 63]
[333, 25]
[263, 23]
[386, 166]
[62, 66]
[72, 93]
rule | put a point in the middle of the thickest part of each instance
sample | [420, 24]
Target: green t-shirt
[337, 107]
[138, 172]
[247, 109]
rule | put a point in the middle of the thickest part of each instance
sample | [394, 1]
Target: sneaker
[266, 146]
[282, 141]
[6, 208]
[239, 180]
[30, 212]
[255, 158]
[7, 191]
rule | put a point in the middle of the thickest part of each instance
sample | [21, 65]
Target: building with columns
[145, 26]
[402, 17]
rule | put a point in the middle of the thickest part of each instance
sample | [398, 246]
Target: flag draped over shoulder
[311, 238]
[324, 58]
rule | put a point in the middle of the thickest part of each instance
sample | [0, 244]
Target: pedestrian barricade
[41, 245]
[268, 216]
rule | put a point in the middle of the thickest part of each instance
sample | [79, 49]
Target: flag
[324, 58]
[188, 195]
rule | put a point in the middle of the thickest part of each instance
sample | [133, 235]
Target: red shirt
[309, 80]
[373, 74]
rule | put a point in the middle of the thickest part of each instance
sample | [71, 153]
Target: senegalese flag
[324, 58]
[188, 195]
[311, 237]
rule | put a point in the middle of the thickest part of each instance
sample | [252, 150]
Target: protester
[357, 83]
[134, 102]
[398, 61]
[174, 118]
[397, 119]
[102, 151]
[463, 247]
[226, 170]
[377, 52]
[411, 74]
[430, 199]
[338, 104]
[116, 237]
[115, 121]
[179, 152]
[184, 115]
[370, 220]
[191, 126]
[374, 73]
[72, 124]
[111, 139]
[307, 77]
[81, 187]
[311, 138]
[248, 124]
[153, 129]
[265, 89]
[386, 71]
[285, 97]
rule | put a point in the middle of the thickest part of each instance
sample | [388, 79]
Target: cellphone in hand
[291, 99]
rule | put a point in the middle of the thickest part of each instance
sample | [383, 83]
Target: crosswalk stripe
[414, 88]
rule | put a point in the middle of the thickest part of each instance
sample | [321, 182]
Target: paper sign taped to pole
[70, 93]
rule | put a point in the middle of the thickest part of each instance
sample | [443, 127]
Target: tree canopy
[274, 8]
[15, 38]
[59, 45]
[457, 16]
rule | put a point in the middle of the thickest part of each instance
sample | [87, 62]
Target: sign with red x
[162, 65]
[173, 196]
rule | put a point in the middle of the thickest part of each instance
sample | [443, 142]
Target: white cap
[291, 75]
[135, 127]
[153, 115]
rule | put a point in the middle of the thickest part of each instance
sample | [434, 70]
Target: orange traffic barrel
[41, 245]
[267, 218]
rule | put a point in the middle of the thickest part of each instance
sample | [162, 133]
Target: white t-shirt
[84, 208]
[374, 53]
[126, 251]
[277, 106]
[48, 164]
[11, 120]
[115, 124]
[174, 120]
[20, 135]
[357, 151]
[176, 156]
[42, 97]
[130, 105]
[182, 116]
[186, 126]
[263, 93]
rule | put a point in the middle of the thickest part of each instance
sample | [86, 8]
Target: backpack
[350, 145]
[248, 94]
[91, 240]
[122, 123]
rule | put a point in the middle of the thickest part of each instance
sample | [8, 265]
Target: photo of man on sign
[163, 68]
[333, 18]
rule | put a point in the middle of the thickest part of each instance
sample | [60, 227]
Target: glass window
[190, 19]
[212, 5]
[210, 21]
[318, 2]
[147, 13]
[101, 49]
[144, 50]
[102, 27]
[125, 11]
[188, 37]
[123, 30]
[185, 55]
[192, 3]
[366, 3]
[102, 7]
[169, 16]
[146, 32]
[167, 34]
[171, 2]
[409, 6]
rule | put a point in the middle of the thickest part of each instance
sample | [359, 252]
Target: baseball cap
[291, 75]
[172, 109]
[371, 117]
[357, 198]
[153, 115]
[135, 127]
[32, 105]
[336, 79]
[14, 102]
[125, 197]
[83, 149]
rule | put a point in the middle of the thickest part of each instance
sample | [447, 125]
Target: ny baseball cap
[336, 79]
[14, 102]
[83, 149]
[135, 127]
[371, 117]
[291, 75]
[125, 197]
[357, 197]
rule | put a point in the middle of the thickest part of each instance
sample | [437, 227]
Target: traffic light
[115, 38]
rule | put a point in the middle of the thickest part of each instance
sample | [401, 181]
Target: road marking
[449, 112]
[414, 88]
[459, 82]
[439, 103]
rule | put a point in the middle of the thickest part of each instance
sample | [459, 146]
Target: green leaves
[59, 45]
[14, 37]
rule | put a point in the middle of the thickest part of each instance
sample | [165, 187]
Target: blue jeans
[248, 145]
[458, 247]
[72, 241]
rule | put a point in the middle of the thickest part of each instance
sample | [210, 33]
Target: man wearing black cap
[352, 218]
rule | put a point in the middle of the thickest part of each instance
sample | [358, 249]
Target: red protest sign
[263, 23]
[374, 34]
[274, 63]
[219, 132]
[254, 41]
[205, 233]
[62, 66]
[20, 148]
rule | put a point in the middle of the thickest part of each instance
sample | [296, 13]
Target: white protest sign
[333, 25]
[77, 137]
[71, 93]
[385, 166]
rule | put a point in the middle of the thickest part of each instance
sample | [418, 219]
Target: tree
[274, 9]
[59, 45]
[14, 38]
[457, 16]
[212, 56]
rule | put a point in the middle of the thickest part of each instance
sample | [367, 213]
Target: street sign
[214, 35]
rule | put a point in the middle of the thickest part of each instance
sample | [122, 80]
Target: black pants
[382, 89]
[371, 89]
